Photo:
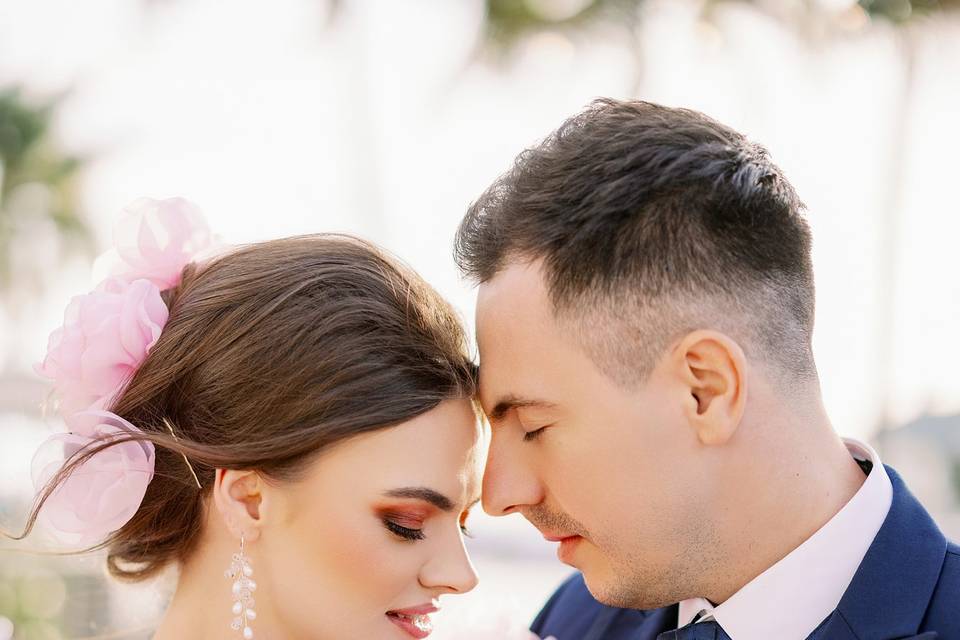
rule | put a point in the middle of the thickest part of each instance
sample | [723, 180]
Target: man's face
[612, 472]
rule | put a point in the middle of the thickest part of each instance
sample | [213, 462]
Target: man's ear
[239, 497]
[713, 370]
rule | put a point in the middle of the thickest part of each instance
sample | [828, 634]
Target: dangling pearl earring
[241, 573]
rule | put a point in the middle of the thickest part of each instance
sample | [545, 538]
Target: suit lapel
[890, 592]
[836, 628]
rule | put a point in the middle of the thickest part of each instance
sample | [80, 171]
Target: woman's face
[365, 544]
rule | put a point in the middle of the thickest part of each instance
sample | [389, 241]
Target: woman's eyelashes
[407, 533]
[414, 533]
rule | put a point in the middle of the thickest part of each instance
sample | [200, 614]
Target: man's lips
[558, 538]
[568, 543]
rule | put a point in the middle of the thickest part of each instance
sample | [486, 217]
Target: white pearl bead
[251, 585]
[251, 614]
[248, 571]
[237, 608]
[247, 633]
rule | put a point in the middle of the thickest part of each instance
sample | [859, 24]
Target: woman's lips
[418, 626]
[414, 620]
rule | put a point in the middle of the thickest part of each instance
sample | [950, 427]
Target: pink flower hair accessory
[102, 493]
[105, 336]
[156, 239]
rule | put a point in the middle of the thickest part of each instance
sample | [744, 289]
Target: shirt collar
[780, 601]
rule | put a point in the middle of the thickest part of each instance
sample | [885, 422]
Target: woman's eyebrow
[426, 494]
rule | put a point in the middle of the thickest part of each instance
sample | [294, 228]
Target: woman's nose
[450, 570]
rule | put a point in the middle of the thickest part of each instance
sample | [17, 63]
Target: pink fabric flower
[155, 239]
[103, 493]
[105, 336]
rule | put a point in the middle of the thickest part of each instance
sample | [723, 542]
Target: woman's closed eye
[407, 533]
[405, 522]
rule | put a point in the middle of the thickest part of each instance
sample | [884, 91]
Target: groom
[644, 317]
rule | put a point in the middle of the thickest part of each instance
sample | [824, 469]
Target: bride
[289, 425]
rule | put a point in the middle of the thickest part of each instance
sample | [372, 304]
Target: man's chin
[618, 591]
[597, 576]
[607, 585]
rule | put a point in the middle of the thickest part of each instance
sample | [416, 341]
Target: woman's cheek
[357, 555]
[335, 561]
[372, 562]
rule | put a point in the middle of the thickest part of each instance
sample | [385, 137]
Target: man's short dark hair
[650, 222]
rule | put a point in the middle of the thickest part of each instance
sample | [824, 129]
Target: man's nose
[509, 480]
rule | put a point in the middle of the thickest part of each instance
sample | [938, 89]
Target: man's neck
[791, 481]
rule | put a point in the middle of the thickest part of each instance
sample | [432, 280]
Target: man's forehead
[515, 278]
[512, 307]
[515, 328]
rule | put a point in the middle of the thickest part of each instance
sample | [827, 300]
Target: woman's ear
[240, 499]
[713, 368]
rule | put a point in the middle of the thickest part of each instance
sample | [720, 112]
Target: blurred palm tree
[901, 11]
[507, 21]
[38, 191]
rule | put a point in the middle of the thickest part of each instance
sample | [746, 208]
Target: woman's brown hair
[271, 354]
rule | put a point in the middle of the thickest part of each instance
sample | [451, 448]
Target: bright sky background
[384, 124]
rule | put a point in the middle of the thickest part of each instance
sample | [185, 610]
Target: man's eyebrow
[507, 404]
[426, 494]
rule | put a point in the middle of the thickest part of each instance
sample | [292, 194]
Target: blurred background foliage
[38, 186]
[509, 20]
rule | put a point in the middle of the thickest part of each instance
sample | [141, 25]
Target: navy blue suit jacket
[907, 588]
